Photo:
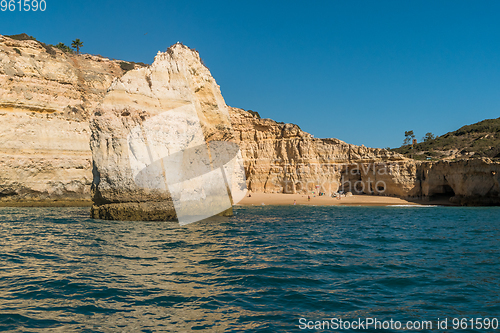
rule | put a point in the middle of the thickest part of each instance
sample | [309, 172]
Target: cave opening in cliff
[359, 187]
[448, 191]
[445, 192]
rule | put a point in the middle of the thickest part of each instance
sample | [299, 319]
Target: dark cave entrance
[445, 192]
[448, 191]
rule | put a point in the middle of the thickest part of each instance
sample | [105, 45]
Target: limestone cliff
[167, 103]
[283, 158]
[467, 182]
[45, 103]
[47, 97]
[462, 182]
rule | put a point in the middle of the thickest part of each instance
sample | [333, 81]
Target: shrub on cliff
[481, 139]
[130, 65]
[126, 66]
[65, 48]
[22, 36]
[48, 48]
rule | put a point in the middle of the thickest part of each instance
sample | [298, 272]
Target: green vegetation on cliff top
[481, 139]
[125, 65]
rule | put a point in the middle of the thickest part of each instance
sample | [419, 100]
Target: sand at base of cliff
[355, 200]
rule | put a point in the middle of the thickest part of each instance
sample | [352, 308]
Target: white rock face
[149, 143]
[45, 100]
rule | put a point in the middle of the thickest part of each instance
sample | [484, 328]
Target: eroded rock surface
[174, 102]
[45, 103]
[47, 98]
[283, 158]
[467, 182]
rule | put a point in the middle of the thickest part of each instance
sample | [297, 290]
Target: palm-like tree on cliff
[77, 43]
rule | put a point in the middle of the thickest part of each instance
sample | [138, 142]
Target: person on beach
[308, 198]
[294, 202]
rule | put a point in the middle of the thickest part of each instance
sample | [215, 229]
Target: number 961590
[23, 5]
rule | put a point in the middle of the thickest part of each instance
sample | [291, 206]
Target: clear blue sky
[360, 71]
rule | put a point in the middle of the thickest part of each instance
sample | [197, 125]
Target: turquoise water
[260, 271]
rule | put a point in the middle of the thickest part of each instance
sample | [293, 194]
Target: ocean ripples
[260, 270]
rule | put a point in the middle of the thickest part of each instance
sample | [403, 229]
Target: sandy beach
[355, 200]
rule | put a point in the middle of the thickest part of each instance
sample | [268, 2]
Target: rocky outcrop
[170, 107]
[283, 158]
[47, 97]
[45, 100]
[466, 182]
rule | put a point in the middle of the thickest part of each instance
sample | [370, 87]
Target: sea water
[267, 269]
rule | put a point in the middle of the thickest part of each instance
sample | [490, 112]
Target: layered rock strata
[467, 182]
[283, 158]
[172, 107]
[47, 97]
[45, 103]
